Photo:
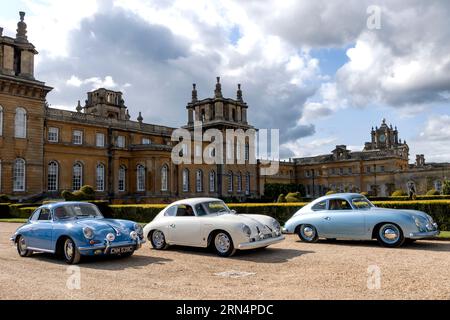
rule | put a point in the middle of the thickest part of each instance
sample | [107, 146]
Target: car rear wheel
[390, 235]
[223, 244]
[22, 247]
[71, 253]
[158, 240]
[307, 233]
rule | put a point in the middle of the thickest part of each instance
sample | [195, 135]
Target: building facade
[44, 150]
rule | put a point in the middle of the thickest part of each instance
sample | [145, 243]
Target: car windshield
[77, 211]
[216, 207]
[361, 203]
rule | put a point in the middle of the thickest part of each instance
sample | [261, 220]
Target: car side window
[339, 204]
[171, 212]
[319, 206]
[185, 211]
[35, 214]
[200, 210]
[44, 215]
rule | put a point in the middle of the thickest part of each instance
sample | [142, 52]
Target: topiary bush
[85, 193]
[399, 193]
[281, 198]
[433, 192]
[4, 198]
[330, 192]
[293, 197]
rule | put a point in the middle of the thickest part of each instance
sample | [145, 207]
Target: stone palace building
[46, 150]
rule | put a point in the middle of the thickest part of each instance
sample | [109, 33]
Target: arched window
[212, 181]
[230, 181]
[1, 121]
[247, 183]
[100, 177]
[199, 181]
[52, 176]
[164, 178]
[247, 151]
[239, 182]
[185, 180]
[122, 178]
[140, 177]
[19, 175]
[77, 176]
[438, 185]
[20, 123]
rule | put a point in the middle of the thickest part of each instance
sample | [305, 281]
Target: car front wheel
[22, 247]
[390, 235]
[224, 244]
[158, 240]
[307, 233]
[71, 253]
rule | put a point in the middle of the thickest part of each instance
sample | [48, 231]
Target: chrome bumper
[421, 235]
[108, 245]
[260, 243]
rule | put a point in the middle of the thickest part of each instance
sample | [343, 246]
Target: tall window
[122, 178]
[121, 142]
[53, 134]
[20, 123]
[247, 183]
[247, 151]
[1, 121]
[100, 140]
[212, 181]
[185, 180]
[140, 177]
[19, 175]
[164, 178]
[146, 141]
[77, 176]
[239, 182]
[199, 181]
[100, 177]
[438, 185]
[230, 181]
[77, 137]
[52, 176]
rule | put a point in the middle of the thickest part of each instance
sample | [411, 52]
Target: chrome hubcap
[22, 245]
[158, 239]
[308, 232]
[390, 233]
[222, 242]
[68, 249]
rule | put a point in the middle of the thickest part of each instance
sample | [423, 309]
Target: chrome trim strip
[260, 243]
[41, 250]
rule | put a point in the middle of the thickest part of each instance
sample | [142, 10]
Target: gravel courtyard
[289, 270]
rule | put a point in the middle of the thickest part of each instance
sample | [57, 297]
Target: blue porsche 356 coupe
[74, 229]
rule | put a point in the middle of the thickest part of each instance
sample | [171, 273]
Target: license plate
[121, 250]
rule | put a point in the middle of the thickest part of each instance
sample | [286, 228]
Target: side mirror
[233, 211]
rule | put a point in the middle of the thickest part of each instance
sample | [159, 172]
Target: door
[185, 227]
[342, 221]
[43, 231]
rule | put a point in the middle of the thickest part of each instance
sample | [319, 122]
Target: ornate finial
[194, 93]
[21, 34]
[384, 120]
[128, 115]
[390, 125]
[79, 108]
[239, 93]
[218, 91]
[372, 128]
[1, 31]
[139, 118]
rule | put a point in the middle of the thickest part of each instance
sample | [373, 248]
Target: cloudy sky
[323, 72]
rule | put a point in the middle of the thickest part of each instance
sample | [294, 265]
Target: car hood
[106, 225]
[252, 220]
[411, 213]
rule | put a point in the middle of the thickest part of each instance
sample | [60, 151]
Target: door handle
[172, 225]
[327, 218]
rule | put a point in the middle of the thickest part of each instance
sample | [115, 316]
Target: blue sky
[313, 69]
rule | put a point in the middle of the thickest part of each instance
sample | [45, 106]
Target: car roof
[345, 195]
[54, 205]
[194, 201]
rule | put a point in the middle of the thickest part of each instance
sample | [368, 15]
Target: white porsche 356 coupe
[208, 222]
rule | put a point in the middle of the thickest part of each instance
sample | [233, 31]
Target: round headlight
[276, 225]
[246, 229]
[88, 232]
[138, 228]
[110, 237]
[133, 235]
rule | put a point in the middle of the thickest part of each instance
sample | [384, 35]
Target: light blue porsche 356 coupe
[353, 216]
[75, 229]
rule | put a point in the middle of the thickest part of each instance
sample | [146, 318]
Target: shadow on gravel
[262, 255]
[417, 245]
[105, 262]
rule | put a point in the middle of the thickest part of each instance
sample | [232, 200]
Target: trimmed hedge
[406, 198]
[136, 212]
